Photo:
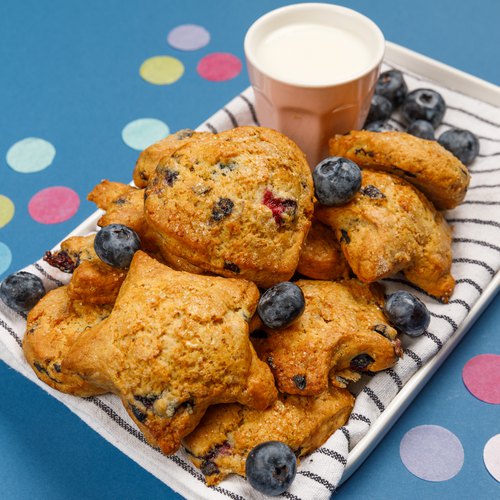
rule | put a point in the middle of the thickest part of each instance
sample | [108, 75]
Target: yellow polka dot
[6, 210]
[161, 70]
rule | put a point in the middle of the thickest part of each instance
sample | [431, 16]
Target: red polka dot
[53, 205]
[219, 66]
[481, 375]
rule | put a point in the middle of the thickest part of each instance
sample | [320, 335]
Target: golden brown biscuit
[321, 256]
[426, 164]
[237, 204]
[389, 227]
[53, 326]
[150, 157]
[227, 433]
[341, 333]
[174, 344]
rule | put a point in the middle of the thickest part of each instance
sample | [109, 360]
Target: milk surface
[313, 54]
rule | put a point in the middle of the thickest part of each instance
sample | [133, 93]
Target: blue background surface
[69, 74]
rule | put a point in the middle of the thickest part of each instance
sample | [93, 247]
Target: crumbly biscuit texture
[174, 344]
[53, 326]
[342, 324]
[220, 444]
[436, 172]
[149, 158]
[389, 227]
[321, 256]
[237, 204]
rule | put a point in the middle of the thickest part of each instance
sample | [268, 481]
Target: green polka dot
[30, 155]
[5, 257]
[161, 70]
[141, 133]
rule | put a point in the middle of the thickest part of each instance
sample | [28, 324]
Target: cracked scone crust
[149, 158]
[227, 433]
[389, 227]
[237, 204]
[341, 322]
[426, 164]
[53, 326]
[174, 344]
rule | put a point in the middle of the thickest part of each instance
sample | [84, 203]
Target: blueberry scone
[53, 326]
[389, 227]
[220, 444]
[174, 344]
[237, 204]
[436, 172]
[341, 333]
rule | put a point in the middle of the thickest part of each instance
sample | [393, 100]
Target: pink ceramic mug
[313, 68]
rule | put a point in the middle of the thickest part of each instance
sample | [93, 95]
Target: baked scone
[436, 172]
[149, 158]
[321, 256]
[341, 333]
[237, 204]
[227, 433]
[53, 326]
[174, 344]
[389, 227]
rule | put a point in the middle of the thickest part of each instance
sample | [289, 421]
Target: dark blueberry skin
[380, 109]
[21, 291]
[116, 244]
[424, 104]
[407, 313]
[336, 181]
[422, 129]
[462, 143]
[380, 126]
[391, 84]
[271, 467]
[280, 305]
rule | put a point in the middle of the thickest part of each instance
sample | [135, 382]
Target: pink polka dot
[53, 205]
[219, 66]
[481, 375]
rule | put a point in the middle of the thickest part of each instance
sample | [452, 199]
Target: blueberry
[21, 291]
[380, 126]
[271, 467]
[462, 143]
[391, 84]
[116, 244]
[280, 305]
[380, 109]
[407, 313]
[422, 129]
[336, 181]
[424, 104]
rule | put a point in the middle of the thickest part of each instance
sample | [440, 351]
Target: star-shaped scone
[149, 158]
[220, 444]
[436, 172]
[237, 204]
[53, 326]
[341, 333]
[389, 227]
[174, 344]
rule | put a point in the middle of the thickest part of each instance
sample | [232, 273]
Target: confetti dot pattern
[5, 257]
[491, 456]
[481, 376]
[161, 70]
[432, 453]
[6, 210]
[141, 133]
[188, 37]
[30, 155]
[219, 66]
[53, 205]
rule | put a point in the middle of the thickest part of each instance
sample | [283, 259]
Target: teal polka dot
[5, 257]
[141, 133]
[30, 155]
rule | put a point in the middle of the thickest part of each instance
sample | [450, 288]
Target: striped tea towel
[476, 251]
